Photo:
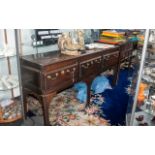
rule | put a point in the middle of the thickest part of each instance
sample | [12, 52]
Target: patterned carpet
[65, 109]
[116, 100]
[108, 108]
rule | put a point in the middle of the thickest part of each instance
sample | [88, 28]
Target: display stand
[11, 108]
[142, 107]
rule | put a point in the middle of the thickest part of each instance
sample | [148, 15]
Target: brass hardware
[107, 57]
[116, 55]
[74, 69]
[68, 70]
[73, 80]
[56, 74]
[84, 66]
[98, 61]
[49, 77]
[62, 72]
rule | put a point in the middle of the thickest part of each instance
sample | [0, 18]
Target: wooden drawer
[125, 50]
[110, 59]
[124, 54]
[90, 67]
[61, 78]
[129, 46]
[130, 53]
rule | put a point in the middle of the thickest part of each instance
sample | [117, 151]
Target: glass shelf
[7, 56]
[8, 82]
[7, 52]
[10, 120]
[143, 105]
[11, 99]
[147, 118]
[7, 89]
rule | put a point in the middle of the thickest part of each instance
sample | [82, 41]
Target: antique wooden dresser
[46, 74]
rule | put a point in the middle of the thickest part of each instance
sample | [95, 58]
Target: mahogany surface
[46, 74]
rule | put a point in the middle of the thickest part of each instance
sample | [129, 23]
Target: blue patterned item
[81, 89]
[100, 84]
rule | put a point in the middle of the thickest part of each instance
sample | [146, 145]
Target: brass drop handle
[116, 55]
[68, 71]
[49, 77]
[107, 57]
[98, 60]
[73, 77]
[62, 72]
[84, 66]
[88, 64]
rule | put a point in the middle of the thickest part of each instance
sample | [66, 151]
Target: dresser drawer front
[130, 52]
[110, 59]
[124, 54]
[129, 46]
[90, 67]
[62, 78]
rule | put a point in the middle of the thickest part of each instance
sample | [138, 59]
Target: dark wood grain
[49, 73]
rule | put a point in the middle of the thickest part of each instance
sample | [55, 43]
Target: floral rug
[66, 110]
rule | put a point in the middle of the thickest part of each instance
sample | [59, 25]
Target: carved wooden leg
[130, 60]
[25, 95]
[116, 74]
[25, 105]
[45, 101]
[88, 94]
[45, 106]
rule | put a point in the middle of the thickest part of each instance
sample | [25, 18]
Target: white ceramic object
[153, 97]
[6, 52]
[8, 82]
[98, 45]
[9, 52]
[6, 102]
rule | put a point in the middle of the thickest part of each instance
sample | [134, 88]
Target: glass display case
[11, 105]
[141, 107]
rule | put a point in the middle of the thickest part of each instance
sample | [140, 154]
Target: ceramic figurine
[81, 43]
[5, 83]
[61, 42]
[8, 82]
[10, 110]
[141, 94]
[149, 74]
[68, 46]
[152, 99]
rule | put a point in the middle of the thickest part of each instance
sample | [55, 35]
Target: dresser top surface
[48, 58]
